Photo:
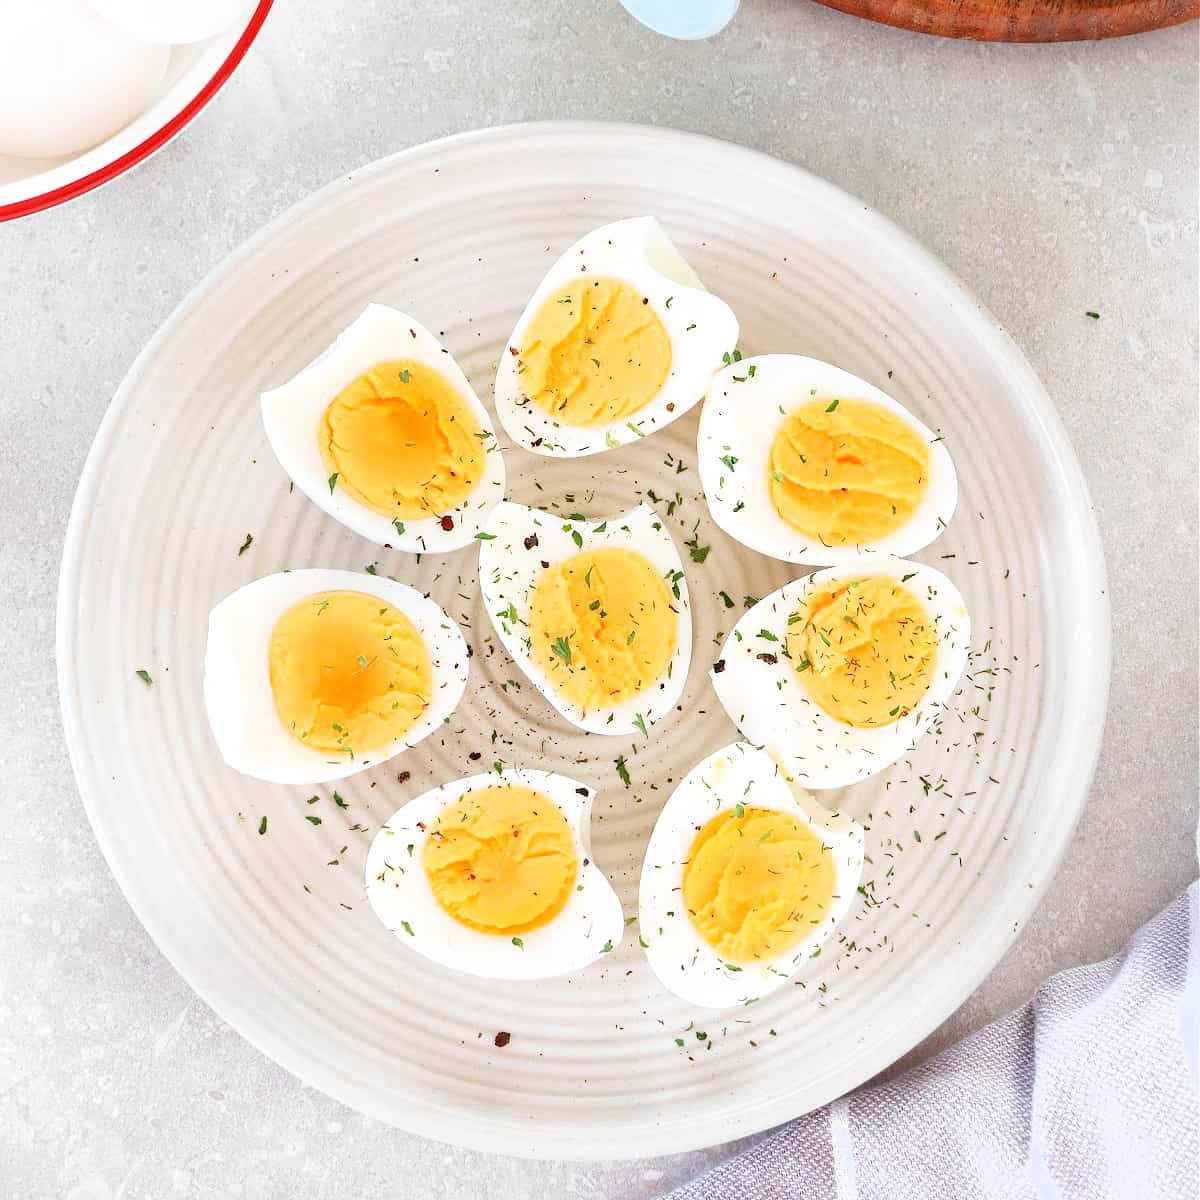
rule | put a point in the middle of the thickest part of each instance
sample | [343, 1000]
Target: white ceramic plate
[274, 931]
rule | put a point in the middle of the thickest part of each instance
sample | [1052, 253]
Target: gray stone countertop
[1053, 179]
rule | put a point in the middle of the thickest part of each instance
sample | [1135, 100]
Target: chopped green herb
[144, 676]
[246, 544]
[623, 770]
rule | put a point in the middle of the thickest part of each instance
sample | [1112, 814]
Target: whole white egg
[174, 22]
[69, 78]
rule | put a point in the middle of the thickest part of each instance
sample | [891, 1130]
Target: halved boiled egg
[492, 876]
[595, 612]
[805, 462]
[840, 674]
[744, 878]
[314, 675]
[384, 432]
[619, 339]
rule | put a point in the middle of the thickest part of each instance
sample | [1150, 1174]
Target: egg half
[805, 462]
[315, 675]
[619, 339]
[594, 611]
[384, 432]
[493, 876]
[841, 673]
[744, 879]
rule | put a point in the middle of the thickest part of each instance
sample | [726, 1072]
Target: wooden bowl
[1024, 20]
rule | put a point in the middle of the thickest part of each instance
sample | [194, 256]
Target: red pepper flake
[513, 351]
[404, 777]
[769, 659]
[671, 406]
[502, 1039]
[718, 666]
[447, 523]
[531, 541]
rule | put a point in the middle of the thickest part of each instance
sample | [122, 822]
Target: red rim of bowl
[158, 139]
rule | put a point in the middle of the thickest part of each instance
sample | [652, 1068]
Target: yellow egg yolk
[865, 650]
[501, 860]
[756, 883]
[349, 672]
[401, 440]
[594, 353]
[847, 472]
[602, 627]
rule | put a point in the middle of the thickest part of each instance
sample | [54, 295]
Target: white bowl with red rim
[194, 75]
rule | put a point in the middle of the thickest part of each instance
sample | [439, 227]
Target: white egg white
[173, 22]
[766, 699]
[745, 406]
[589, 926]
[738, 774]
[237, 683]
[702, 330]
[292, 415]
[519, 539]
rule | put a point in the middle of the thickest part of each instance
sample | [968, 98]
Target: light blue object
[685, 19]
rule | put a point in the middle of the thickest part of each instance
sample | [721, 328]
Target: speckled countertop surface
[1054, 180]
